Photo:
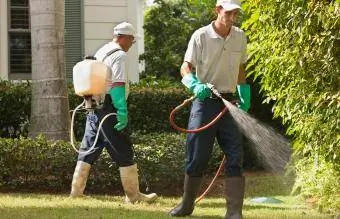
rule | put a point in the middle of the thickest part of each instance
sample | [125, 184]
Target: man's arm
[117, 93]
[241, 75]
[186, 68]
[200, 90]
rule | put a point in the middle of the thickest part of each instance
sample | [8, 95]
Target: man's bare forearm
[186, 68]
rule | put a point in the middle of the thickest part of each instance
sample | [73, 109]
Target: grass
[15, 205]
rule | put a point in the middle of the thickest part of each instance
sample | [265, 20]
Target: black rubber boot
[191, 188]
[234, 191]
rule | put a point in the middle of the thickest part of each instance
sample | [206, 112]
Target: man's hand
[122, 121]
[244, 94]
[117, 94]
[200, 90]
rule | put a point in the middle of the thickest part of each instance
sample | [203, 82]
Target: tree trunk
[50, 107]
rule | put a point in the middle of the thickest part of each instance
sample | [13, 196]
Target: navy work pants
[118, 144]
[200, 145]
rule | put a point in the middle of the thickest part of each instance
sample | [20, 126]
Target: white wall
[100, 16]
[3, 40]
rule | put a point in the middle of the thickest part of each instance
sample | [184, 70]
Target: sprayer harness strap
[110, 53]
[100, 102]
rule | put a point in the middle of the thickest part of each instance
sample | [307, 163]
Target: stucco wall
[100, 16]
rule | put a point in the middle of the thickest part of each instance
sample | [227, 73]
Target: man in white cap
[113, 134]
[215, 54]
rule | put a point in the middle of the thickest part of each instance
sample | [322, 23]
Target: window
[73, 34]
[19, 39]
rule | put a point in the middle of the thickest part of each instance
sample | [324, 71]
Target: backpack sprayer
[89, 78]
[173, 124]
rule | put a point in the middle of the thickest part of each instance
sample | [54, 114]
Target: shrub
[39, 164]
[169, 25]
[150, 107]
[294, 53]
[144, 116]
[15, 108]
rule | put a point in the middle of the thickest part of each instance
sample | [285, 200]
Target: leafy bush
[167, 29]
[144, 116]
[149, 108]
[155, 140]
[31, 164]
[294, 53]
[35, 163]
[15, 108]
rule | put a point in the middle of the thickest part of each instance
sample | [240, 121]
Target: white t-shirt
[116, 62]
[216, 59]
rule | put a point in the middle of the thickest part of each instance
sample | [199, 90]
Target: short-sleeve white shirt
[116, 62]
[217, 59]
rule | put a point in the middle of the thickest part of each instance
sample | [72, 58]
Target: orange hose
[212, 181]
[171, 118]
[185, 102]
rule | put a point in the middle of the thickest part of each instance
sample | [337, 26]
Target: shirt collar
[115, 45]
[212, 33]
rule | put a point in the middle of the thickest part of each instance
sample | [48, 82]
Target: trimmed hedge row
[15, 99]
[149, 107]
[31, 164]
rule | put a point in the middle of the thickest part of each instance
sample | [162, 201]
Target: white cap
[229, 5]
[124, 28]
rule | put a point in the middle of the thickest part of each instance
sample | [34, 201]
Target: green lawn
[15, 205]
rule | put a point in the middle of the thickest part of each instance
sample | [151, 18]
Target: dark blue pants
[118, 144]
[199, 145]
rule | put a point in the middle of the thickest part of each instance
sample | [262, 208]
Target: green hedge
[294, 53]
[15, 99]
[38, 164]
[149, 107]
[150, 103]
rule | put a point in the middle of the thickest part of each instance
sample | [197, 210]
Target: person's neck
[120, 44]
[221, 29]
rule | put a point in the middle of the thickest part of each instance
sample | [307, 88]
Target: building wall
[3, 40]
[100, 16]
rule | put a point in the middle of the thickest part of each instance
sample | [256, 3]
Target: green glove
[117, 94]
[200, 90]
[244, 94]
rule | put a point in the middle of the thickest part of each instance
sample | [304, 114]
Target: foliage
[149, 108]
[30, 164]
[15, 108]
[27, 163]
[144, 116]
[168, 26]
[294, 52]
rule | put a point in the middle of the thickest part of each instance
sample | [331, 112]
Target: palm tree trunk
[50, 108]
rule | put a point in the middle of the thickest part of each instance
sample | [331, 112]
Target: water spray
[272, 147]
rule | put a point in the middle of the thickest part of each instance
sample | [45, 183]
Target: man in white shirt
[113, 135]
[216, 53]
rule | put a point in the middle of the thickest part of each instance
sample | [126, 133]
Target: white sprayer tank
[89, 77]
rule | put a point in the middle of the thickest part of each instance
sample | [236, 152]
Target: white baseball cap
[124, 28]
[229, 5]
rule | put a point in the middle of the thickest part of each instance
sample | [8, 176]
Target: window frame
[10, 30]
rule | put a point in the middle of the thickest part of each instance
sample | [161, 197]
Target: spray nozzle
[213, 89]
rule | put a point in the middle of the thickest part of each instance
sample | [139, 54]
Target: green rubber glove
[117, 94]
[244, 94]
[200, 90]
